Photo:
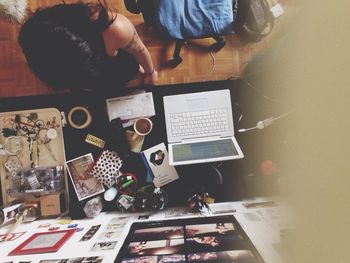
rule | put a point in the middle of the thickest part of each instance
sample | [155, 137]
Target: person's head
[62, 44]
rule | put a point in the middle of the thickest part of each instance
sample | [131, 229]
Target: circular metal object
[13, 145]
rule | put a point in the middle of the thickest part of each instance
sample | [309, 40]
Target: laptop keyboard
[199, 122]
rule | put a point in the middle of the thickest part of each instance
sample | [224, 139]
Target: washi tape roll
[79, 117]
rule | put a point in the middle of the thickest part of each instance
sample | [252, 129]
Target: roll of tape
[82, 118]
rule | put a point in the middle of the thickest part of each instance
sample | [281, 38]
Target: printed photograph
[90, 233]
[9, 213]
[172, 258]
[158, 233]
[52, 261]
[101, 246]
[158, 247]
[96, 259]
[157, 157]
[85, 185]
[72, 260]
[10, 237]
[209, 229]
[215, 243]
[236, 256]
[148, 259]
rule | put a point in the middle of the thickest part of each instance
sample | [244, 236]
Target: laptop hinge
[227, 136]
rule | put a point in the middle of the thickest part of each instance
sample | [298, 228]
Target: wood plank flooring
[198, 63]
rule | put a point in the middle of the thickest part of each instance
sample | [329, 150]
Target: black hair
[63, 44]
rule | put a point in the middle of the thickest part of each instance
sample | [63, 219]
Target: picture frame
[84, 183]
[43, 242]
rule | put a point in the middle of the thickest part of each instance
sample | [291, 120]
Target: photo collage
[213, 239]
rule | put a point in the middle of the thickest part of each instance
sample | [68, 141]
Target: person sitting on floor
[85, 47]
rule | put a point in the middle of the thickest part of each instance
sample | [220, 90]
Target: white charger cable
[265, 123]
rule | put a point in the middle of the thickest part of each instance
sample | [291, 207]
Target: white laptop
[200, 128]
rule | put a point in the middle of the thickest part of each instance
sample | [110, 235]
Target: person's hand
[151, 79]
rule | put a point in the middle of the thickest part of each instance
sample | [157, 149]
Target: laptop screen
[204, 150]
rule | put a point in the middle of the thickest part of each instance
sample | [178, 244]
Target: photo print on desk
[85, 184]
[209, 229]
[94, 259]
[209, 239]
[102, 246]
[90, 233]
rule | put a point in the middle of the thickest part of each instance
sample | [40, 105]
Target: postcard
[156, 160]
[101, 246]
[85, 184]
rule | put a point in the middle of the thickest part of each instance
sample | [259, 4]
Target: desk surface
[238, 175]
[261, 223]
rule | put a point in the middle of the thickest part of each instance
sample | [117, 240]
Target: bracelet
[149, 74]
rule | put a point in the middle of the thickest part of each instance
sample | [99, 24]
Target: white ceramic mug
[143, 126]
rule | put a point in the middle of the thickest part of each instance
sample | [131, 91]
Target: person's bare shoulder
[118, 34]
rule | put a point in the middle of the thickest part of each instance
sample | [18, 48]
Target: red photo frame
[44, 242]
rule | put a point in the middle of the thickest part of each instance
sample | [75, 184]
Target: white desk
[262, 225]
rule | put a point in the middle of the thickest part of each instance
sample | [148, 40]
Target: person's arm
[122, 34]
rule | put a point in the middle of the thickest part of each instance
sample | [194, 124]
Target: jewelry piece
[13, 145]
[34, 152]
[13, 164]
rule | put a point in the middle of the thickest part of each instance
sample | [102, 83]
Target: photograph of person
[158, 247]
[158, 233]
[209, 229]
[236, 256]
[95, 49]
[215, 243]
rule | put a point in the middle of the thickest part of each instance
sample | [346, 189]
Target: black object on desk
[122, 146]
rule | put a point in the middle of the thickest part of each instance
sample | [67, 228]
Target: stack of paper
[129, 108]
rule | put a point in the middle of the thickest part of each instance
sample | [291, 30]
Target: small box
[50, 205]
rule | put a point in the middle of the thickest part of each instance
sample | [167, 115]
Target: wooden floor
[198, 63]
